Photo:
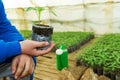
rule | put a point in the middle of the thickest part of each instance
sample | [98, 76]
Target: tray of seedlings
[27, 34]
[103, 56]
[72, 40]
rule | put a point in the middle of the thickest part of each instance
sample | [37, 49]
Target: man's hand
[22, 65]
[29, 47]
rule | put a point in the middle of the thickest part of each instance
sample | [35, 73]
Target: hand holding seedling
[29, 47]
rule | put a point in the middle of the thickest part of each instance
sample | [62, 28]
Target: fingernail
[13, 71]
[16, 77]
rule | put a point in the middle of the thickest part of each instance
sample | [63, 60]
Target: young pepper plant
[39, 10]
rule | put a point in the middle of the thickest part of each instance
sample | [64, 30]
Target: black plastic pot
[42, 33]
[95, 69]
[113, 76]
[99, 71]
[118, 77]
[78, 63]
[107, 74]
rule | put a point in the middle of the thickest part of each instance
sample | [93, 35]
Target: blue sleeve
[9, 49]
[9, 37]
[7, 31]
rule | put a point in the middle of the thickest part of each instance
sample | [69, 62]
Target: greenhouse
[73, 40]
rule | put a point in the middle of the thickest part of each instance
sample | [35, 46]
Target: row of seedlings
[72, 40]
[103, 56]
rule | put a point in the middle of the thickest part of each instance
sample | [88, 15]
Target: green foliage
[67, 38]
[70, 38]
[38, 11]
[27, 34]
[104, 52]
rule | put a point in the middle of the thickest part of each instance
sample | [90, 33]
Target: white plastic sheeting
[98, 16]
[26, 3]
[16, 3]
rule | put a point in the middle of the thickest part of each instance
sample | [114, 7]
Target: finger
[25, 72]
[41, 52]
[19, 69]
[40, 44]
[19, 79]
[32, 66]
[14, 65]
[29, 67]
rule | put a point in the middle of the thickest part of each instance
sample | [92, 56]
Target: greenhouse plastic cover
[26, 3]
[100, 16]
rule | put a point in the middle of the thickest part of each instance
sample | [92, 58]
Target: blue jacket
[9, 38]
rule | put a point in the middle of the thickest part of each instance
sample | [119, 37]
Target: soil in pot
[42, 33]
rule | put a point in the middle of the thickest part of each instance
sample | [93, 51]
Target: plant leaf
[30, 8]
